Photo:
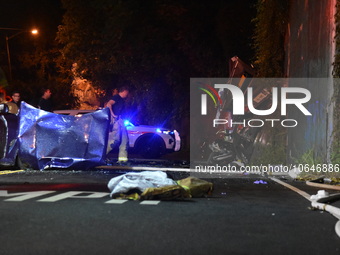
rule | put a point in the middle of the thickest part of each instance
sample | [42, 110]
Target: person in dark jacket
[118, 134]
[45, 102]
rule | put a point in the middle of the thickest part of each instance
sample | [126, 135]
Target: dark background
[154, 47]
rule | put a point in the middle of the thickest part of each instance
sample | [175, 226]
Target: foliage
[274, 151]
[309, 158]
[46, 68]
[154, 47]
[35, 60]
[335, 157]
[3, 80]
[270, 29]
[268, 41]
[312, 167]
[271, 155]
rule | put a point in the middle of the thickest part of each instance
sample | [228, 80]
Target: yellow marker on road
[10, 171]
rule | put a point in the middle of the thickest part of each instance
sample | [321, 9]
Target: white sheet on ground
[140, 181]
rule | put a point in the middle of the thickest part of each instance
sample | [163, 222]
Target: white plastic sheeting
[139, 181]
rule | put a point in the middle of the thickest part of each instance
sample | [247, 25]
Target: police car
[148, 141]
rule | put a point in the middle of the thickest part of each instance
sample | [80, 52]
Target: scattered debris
[295, 172]
[260, 182]
[165, 193]
[150, 185]
[138, 181]
[196, 187]
[325, 183]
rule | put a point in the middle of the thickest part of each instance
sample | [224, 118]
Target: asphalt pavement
[70, 212]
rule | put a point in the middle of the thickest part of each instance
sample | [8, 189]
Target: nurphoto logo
[238, 104]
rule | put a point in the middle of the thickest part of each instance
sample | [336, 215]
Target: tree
[152, 46]
[270, 30]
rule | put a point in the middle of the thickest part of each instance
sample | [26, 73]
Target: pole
[7, 46]
[9, 60]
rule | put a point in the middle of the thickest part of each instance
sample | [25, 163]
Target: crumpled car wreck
[40, 140]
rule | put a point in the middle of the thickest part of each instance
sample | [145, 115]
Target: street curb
[322, 185]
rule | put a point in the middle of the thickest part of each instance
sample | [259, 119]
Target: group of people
[118, 136]
[14, 101]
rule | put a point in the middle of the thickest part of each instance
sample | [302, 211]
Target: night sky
[25, 14]
[46, 15]
[28, 14]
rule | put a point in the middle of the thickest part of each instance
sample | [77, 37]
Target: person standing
[12, 107]
[45, 102]
[118, 135]
[16, 98]
[113, 92]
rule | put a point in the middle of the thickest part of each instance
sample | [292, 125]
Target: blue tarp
[9, 146]
[49, 140]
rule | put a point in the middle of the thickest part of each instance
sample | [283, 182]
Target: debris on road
[150, 185]
[196, 187]
[322, 202]
[260, 182]
[138, 182]
[170, 192]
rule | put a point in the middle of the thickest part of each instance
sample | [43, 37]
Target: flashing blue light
[127, 123]
[159, 130]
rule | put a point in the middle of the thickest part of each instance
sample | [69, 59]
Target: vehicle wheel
[151, 147]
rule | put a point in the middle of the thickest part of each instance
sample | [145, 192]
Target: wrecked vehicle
[9, 124]
[38, 139]
[234, 144]
[148, 141]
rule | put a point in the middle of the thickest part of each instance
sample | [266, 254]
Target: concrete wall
[309, 53]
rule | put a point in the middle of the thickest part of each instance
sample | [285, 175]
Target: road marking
[74, 194]
[150, 202]
[300, 192]
[116, 201]
[22, 196]
[10, 171]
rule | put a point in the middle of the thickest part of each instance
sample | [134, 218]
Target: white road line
[122, 201]
[300, 192]
[74, 194]
[150, 202]
[116, 201]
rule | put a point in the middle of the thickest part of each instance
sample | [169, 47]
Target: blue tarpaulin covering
[49, 140]
[9, 124]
